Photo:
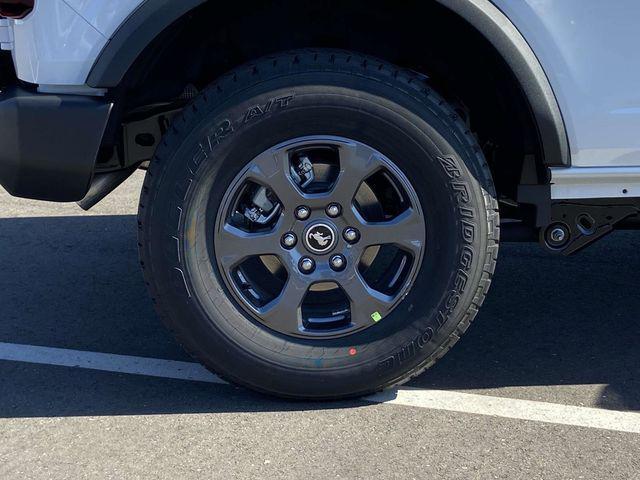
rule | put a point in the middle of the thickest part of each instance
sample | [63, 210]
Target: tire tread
[409, 82]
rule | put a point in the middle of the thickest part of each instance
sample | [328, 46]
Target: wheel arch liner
[154, 16]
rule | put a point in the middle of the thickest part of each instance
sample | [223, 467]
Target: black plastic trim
[587, 220]
[103, 184]
[49, 143]
[154, 16]
[133, 36]
[514, 49]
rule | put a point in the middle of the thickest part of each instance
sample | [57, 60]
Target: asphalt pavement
[561, 332]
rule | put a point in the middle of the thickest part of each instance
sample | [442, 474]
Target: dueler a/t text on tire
[318, 224]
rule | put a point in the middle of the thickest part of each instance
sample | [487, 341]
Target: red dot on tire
[352, 351]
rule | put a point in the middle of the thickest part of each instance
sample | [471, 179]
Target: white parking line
[512, 408]
[429, 399]
[151, 367]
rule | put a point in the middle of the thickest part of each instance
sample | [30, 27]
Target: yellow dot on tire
[376, 317]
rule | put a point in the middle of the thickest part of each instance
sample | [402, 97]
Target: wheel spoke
[271, 169]
[234, 245]
[368, 306]
[405, 231]
[283, 313]
[357, 163]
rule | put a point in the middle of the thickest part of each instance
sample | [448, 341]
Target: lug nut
[302, 213]
[338, 262]
[289, 240]
[307, 265]
[351, 235]
[334, 210]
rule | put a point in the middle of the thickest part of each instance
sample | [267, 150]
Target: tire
[298, 94]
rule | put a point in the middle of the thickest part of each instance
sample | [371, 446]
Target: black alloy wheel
[319, 237]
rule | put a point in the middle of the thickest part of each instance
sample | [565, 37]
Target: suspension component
[262, 209]
[302, 171]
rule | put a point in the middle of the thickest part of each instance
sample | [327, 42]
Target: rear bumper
[49, 143]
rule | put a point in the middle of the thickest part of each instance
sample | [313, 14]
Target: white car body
[587, 48]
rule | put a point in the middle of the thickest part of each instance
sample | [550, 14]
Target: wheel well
[459, 61]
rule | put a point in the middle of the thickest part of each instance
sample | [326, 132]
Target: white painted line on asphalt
[107, 362]
[428, 399]
[512, 408]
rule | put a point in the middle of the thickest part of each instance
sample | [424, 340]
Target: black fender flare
[148, 21]
[494, 25]
[154, 16]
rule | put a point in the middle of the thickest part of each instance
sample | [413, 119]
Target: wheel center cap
[320, 238]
